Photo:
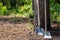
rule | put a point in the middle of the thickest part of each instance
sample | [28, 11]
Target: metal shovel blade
[39, 31]
[47, 35]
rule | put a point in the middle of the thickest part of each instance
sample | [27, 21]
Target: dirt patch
[16, 28]
[12, 29]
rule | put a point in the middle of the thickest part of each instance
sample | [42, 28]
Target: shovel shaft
[38, 12]
[45, 16]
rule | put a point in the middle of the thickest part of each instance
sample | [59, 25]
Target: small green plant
[54, 11]
[58, 19]
[31, 13]
[31, 25]
[4, 10]
[1, 5]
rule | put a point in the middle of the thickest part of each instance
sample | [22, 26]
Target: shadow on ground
[15, 20]
[55, 34]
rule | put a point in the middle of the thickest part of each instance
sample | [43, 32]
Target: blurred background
[54, 10]
[23, 8]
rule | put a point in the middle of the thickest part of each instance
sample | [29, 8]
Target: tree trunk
[42, 13]
[35, 14]
[48, 15]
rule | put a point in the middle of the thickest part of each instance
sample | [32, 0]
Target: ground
[16, 29]
[13, 28]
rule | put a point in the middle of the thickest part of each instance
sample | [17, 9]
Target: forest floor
[13, 28]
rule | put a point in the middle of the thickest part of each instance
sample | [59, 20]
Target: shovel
[47, 34]
[39, 30]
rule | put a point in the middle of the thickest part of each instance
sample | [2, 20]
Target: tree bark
[48, 15]
[42, 13]
[35, 14]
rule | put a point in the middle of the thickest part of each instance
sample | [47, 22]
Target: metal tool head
[47, 35]
[39, 31]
